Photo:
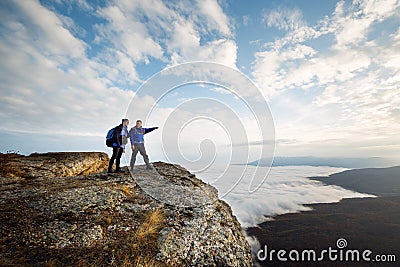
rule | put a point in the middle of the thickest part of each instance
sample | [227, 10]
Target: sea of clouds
[285, 190]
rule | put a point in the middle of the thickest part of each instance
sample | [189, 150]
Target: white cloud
[83, 5]
[49, 85]
[353, 24]
[184, 37]
[274, 70]
[284, 19]
[221, 90]
[285, 190]
[351, 86]
[215, 16]
[55, 40]
[245, 20]
[169, 32]
[127, 34]
[220, 51]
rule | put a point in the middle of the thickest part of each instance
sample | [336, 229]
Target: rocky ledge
[62, 209]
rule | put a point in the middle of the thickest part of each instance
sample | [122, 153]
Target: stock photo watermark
[340, 253]
[207, 113]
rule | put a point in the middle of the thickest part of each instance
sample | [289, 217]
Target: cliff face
[62, 209]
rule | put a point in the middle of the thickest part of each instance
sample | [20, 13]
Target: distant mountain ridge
[377, 181]
[371, 222]
[372, 162]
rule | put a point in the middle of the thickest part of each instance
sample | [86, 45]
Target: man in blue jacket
[137, 141]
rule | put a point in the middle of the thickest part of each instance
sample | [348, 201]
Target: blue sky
[329, 70]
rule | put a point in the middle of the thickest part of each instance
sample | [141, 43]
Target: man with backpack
[117, 139]
[137, 141]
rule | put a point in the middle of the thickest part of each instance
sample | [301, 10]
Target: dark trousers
[116, 155]
[139, 147]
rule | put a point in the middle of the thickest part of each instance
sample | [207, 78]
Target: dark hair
[138, 121]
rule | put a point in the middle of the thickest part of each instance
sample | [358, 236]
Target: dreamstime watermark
[211, 109]
[333, 254]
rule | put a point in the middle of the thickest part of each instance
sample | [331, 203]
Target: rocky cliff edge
[63, 209]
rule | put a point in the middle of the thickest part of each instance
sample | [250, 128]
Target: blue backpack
[111, 137]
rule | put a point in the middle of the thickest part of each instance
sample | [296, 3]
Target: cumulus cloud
[49, 84]
[54, 40]
[58, 79]
[350, 86]
[343, 59]
[166, 31]
[126, 34]
[215, 16]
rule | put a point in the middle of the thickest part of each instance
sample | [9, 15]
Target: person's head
[138, 123]
[125, 122]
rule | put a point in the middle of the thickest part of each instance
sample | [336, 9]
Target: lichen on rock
[63, 209]
[50, 165]
[205, 236]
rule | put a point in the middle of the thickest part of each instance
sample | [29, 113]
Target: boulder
[50, 165]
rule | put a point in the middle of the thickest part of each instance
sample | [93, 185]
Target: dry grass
[152, 224]
[218, 208]
[143, 242]
[10, 170]
[108, 220]
[125, 189]
[50, 263]
[136, 248]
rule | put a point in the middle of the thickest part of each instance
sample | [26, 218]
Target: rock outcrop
[50, 165]
[60, 209]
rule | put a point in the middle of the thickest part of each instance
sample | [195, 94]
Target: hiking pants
[139, 147]
[116, 155]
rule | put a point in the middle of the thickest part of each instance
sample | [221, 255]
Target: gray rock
[210, 236]
[61, 208]
[50, 165]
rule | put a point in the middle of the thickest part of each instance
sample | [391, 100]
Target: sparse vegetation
[142, 243]
[7, 168]
[50, 263]
[108, 220]
[125, 189]
[57, 216]
[218, 208]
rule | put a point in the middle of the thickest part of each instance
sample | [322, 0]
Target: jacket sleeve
[130, 134]
[147, 130]
[119, 137]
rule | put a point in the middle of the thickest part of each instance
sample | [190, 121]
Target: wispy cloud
[68, 65]
[56, 80]
[166, 31]
[352, 84]
[245, 20]
[49, 84]
[284, 19]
